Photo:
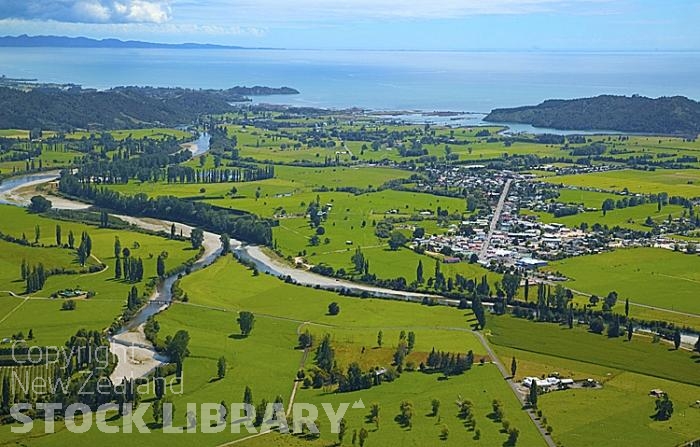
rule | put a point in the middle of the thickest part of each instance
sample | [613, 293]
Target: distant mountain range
[85, 42]
[675, 115]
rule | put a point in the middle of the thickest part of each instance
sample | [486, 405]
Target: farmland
[42, 314]
[335, 188]
[684, 183]
[651, 276]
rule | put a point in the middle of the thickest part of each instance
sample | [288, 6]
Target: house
[656, 393]
[530, 263]
[544, 384]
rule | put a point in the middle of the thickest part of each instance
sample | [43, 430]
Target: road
[514, 387]
[496, 218]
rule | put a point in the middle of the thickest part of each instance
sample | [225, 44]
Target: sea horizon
[474, 81]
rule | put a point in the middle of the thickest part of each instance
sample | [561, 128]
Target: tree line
[248, 228]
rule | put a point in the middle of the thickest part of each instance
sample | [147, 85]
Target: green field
[153, 133]
[49, 157]
[52, 326]
[580, 345]
[217, 292]
[14, 133]
[633, 217]
[581, 417]
[589, 199]
[651, 276]
[682, 182]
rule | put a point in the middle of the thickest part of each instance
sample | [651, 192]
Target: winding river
[136, 355]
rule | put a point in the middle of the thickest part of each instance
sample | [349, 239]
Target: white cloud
[88, 11]
[135, 30]
[315, 10]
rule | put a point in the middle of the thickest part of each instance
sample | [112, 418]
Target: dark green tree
[333, 308]
[419, 272]
[177, 349]
[248, 396]
[39, 204]
[396, 240]
[664, 408]
[532, 396]
[411, 341]
[225, 244]
[196, 238]
[246, 321]
[117, 247]
[221, 367]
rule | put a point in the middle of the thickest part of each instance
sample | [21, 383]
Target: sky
[579, 25]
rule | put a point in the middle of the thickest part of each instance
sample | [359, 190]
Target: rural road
[514, 387]
[496, 218]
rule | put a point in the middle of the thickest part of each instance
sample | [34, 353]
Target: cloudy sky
[371, 24]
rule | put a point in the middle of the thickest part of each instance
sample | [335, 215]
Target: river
[136, 355]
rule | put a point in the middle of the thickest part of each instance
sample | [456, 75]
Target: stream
[136, 355]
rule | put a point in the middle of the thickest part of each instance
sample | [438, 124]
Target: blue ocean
[380, 80]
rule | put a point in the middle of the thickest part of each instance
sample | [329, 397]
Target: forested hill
[120, 107]
[666, 115]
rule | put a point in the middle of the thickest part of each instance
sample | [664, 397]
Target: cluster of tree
[588, 150]
[87, 354]
[405, 346]
[664, 408]
[187, 174]
[85, 248]
[355, 379]
[35, 277]
[130, 268]
[145, 162]
[248, 228]
[465, 411]
[449, 364]
[39, 204]
[151, 330]
[133, 302]
[359, 261]
[177, 349]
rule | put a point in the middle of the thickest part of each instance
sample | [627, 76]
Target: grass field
[481, 385]
[52, 326]
[217, 292]
[584, 417]
[580, 345]
[351, 218]
[589, 199]
[651, 276]
[632, 217]
[288, 180]
[674, 182]
[153, 133]
[49, 159]
[14, 133]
